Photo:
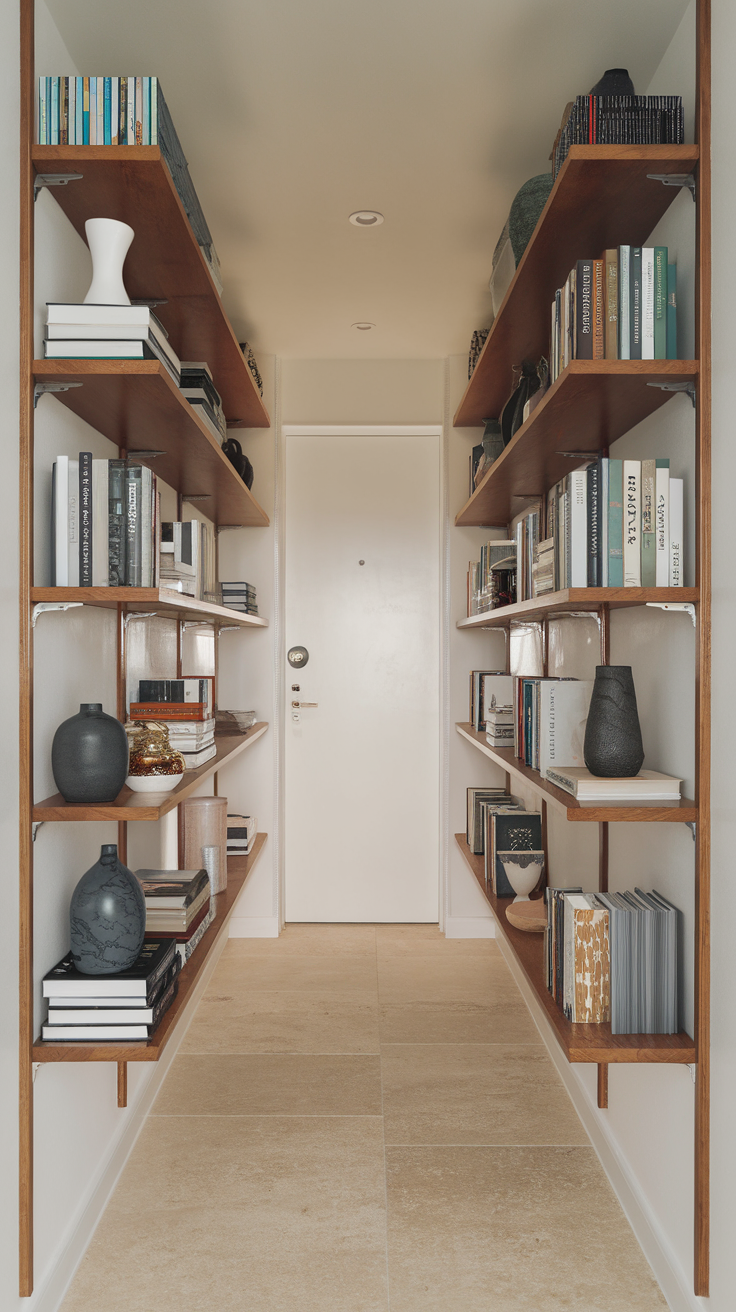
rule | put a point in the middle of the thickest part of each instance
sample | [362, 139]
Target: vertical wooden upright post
[25, 698]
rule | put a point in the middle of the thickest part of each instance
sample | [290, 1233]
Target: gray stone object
[613, 747]
[107, 917]
[526, 208]
[89, 756]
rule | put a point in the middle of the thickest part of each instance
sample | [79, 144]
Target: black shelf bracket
[677, 387]
[675, 180]
[40, 389]
[53, 180]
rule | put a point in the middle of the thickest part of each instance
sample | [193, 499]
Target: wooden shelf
[132, 183]
[162, 601]
[591, 404]
[140, 806]
[589, 1043]
[137, 405]
[682, 812]
[577, 599]
[238, 870]
[601, 197]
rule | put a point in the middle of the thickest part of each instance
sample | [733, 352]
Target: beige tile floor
[363, 1119]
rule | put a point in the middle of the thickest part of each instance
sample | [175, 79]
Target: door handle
[296, 705]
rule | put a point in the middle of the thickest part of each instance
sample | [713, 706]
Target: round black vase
[107, 917]
[613, 748]
[89, 756]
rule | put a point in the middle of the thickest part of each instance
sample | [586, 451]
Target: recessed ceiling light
[362, 327]
[366, 218]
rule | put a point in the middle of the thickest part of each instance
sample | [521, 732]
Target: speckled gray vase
[613, 748]
[107, 916]
[526, 208]
[89, 756]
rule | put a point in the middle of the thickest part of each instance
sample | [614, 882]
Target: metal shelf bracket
[675, 180]
[42, 606]
[138, 615]
[35, 826]
[693, 827]
[677, 387]
[685, 606]
[53, 180]
[40, 389]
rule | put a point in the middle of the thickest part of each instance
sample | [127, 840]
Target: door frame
[438, 430]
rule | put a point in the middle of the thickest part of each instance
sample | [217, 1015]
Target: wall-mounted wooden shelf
[164, 263]
[592, 403]
[601, 197]
[238, 870]
[580, 1043]
[577, 599]
[141, 806]
[682, 812]
[137, 405]
[160, 601]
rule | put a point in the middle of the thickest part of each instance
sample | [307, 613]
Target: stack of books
[124, 1006]
[486, 589]
[620, 120]
[179, 907]
[479, 802]
[108, 332]
[241, 834]
[543, 568]
[189, 559]
[240, 596]
[647, 788]
[613, 957]
[620, 307]
[187, 708]
[198, 387]
[105, 517]
[490, 690]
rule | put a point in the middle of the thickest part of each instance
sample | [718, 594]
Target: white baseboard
[50, 1293]
[254, 927]
[667, 1270]
[470, 927]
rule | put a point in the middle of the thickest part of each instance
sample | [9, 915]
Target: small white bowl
[153, 783]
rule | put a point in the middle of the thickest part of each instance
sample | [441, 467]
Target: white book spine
[578, 529]
[61, 522]
[100, 522]
[100, 111]
[146, 529]
[632, 523]
[624, 258]
[647, 303]
[71, 122]
[662, 527]
[675, 531]
[73, 524]
[130, 112]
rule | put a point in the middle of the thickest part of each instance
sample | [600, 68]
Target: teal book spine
[107, 109]
[615, 523]
[672, 312]
[660, 302]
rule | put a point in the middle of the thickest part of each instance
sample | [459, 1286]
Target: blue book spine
[79, 95]
[615, 523]
[54, 137]
[107, 111]
[146, 111]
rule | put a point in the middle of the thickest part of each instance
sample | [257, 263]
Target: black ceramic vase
[613, 747]
[89, 756]
[107, 917]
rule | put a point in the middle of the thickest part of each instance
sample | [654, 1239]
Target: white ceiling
[294, 113]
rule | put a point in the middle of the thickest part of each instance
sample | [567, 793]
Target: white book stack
[241, 834]
[108, 332]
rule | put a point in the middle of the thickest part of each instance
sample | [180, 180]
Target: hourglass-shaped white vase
[109, 242]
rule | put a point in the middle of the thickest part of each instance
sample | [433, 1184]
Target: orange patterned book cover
[592, 963]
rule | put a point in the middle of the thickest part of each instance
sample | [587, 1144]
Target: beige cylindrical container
[203, 822]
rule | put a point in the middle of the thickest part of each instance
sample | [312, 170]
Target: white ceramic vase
[523, 871]
[109, 243]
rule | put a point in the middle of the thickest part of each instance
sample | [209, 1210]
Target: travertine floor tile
[510, 1230]
[271, 1085]
[244, 1215]
[308, 941]
[504, 1019]
[297, 973]
[409, 945]
[254, 1021]
[473, 1094]
[438, 978]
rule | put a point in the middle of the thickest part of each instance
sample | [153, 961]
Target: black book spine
[85, 519]
[133, 525]
[584, 310]
[116, 530]
[594, 538]
[635, 303]
[154, 690]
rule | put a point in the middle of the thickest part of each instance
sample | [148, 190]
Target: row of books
[98, 111]
[620, 120]
[492, 579]
[620, 307]
[186, 708]
[490, 691]
[189, 559]
[613, 957]
[497, 823]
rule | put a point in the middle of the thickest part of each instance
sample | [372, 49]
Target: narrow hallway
[360, 1119]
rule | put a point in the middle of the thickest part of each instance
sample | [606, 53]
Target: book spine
[624, 303]
[85, 519]
[676, 528]
[578, 529]
[100, 111]
[42, 128]
[107, 112]
[54, 139]
[73, 525]
[146, 111]
[648, 548]
[63, 111]
[635, 304]
[603, 518]
[116, 527]
[130, 110]
[615, 524]
[662, 523]
[72, 113]
[115, 111]
[599, 328]
[93, 111]
[154, 111]
[122, 111]
[59, 519]
[594, 534]
[85, 111]
[584, 310]
[647, 303]
[660, 302]
[133, 526]
[139, 111]
[632, 523]
[610, 304]
[146, 528]
[672, 312]
[80, 111]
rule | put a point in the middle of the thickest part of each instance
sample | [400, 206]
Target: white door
[362, 595]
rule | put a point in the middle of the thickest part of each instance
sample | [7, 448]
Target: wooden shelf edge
[135, 806]
[239, 870]
[580, 1043]
[167, 602]
[578, 599]
[682, 812]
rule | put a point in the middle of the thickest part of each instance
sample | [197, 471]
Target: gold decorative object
[151, 753]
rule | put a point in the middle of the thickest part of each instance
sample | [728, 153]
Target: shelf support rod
[42, 607]
[122, 1084]
[685, 607]
[675, 180]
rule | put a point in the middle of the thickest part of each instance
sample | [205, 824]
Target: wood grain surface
[161, 601]
[577, 599]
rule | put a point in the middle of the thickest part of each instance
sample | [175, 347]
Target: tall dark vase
[613, 748]
[107, 916]
[89, 756]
